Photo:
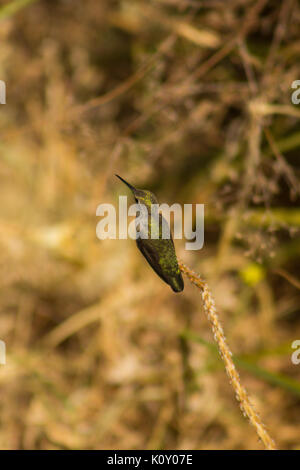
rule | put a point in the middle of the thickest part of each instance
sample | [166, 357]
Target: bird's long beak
[127, 184]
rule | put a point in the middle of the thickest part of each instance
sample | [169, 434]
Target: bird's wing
[152, 257]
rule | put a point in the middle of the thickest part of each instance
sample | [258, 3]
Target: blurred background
[191, 100]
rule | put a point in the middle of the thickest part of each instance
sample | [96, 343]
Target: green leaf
[13, 7]
[273, 378]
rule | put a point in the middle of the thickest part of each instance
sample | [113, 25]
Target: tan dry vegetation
[191, 100]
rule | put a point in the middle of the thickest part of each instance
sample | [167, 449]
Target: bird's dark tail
[177, 283]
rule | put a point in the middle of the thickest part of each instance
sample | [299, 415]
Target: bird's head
[142, 196]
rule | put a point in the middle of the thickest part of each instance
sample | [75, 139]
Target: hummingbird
[159, 252]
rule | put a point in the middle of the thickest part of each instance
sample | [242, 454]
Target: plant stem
[240, 392]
